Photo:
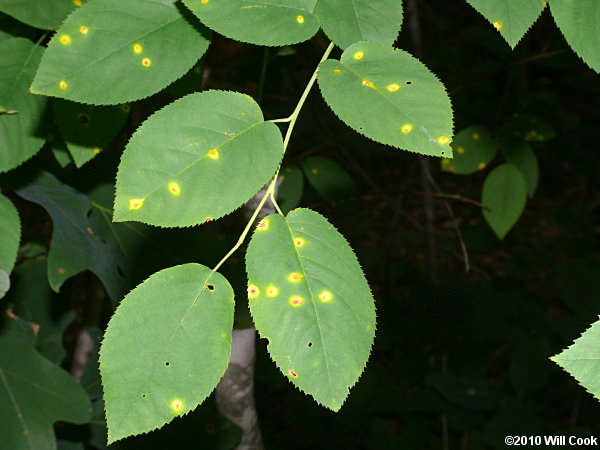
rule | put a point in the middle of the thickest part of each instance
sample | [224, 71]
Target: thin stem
[263, 73]
[271, 190]
[248, 226]
[288, 119]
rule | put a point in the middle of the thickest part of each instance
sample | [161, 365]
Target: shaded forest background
[460, 359]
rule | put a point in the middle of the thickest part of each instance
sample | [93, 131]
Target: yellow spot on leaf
[272, 291]
[445, 161]
[406, 128]
[443, 140]
[65, 39]
[61, 270]
[174, 188]
[475, 136]
[314, 171]
[177, 405]
[325, 296]
[96, 150]
[337, 71]
[300, 19]
[292, 373]
[83, 29]
[137, 48]
[77, 2]
[296, 301]
[263, 224]
[253, 291]
[299, 242]
[460, 149]
[359, 55]
[146, 62]
[213, 154]
[393, 87]
[295, 277]
[368, 83]
[204, 2]
[136, 203]
[498, 25]
[125, 107]
[63, 85]
[481, 165]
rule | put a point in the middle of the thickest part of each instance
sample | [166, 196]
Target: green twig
[271, 190]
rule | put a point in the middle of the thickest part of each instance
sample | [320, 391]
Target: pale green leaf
[75, 227]
[349, 21]
[291, 189]
[110, 51]
[260, 22]
[512, 18]
[186, 163]
[10, 234]
[473, 149]
[505, 193]
[578, 21]
[88, 129]
[34, 394]
[20, 137]
[390, 97]
[309, 298]
[47, 14]
[166, 348]
[521, 155]
[582, 359]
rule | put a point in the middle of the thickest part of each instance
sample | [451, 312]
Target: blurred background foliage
[460, 359]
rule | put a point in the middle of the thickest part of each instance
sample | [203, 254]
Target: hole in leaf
[409, 82]
[310, 344]
[143, 395]
[210, 287]
[167, 363]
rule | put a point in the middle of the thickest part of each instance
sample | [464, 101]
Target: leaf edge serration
[111, 440]
[362, 370]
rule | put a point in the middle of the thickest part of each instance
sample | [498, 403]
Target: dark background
[460, 360]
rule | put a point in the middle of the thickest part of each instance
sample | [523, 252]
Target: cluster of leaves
[307, 293]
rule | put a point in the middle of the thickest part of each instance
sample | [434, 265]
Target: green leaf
[582, 359]
[88, 129]
[34, 302]
[390, 97]
[110, 52]
[512, 18]
[47, 14]
[578, 22]
[10, 236]
[290, 191]
[473, 149]
[166, 348]
[349, 21]
[260, 22]
[329, 179]
[309, 298]
[34, 394]
[19, 133]
[177, 169]
[505, 192]
[521, 155]
[74, 228]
